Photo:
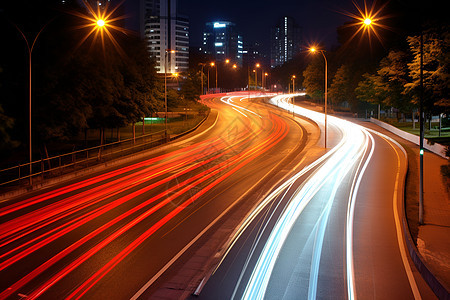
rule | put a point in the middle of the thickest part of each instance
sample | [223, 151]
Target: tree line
[395, 82]
[80, 81]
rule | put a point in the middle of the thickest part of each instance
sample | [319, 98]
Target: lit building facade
[286, 41]
[222, 41]
[164, 29]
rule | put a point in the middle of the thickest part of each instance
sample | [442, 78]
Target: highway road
[115, 234]
[333, 230]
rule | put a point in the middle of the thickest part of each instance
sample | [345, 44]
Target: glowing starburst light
[100, 24]
[368, 20]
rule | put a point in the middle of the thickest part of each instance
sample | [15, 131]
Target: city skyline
[255, 23]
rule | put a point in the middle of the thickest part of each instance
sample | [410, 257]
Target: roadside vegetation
[80, 85]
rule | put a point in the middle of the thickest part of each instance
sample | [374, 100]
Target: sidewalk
[433, 238]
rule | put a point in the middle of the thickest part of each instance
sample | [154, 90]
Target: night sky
[318, 18]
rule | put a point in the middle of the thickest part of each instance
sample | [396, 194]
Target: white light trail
[228, 100]
[331, 169]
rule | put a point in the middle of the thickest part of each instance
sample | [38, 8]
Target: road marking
[182, 251]
[351, 290]
[401, 245]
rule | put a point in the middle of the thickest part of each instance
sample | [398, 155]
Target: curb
[104, 165]
[438, 288]
[436, 148]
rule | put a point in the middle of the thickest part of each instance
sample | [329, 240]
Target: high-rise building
[253, 54]
[97, 4]
[222, 41]
[286, 41]
[164, 29]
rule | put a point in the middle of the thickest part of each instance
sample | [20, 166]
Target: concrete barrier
[435, 148]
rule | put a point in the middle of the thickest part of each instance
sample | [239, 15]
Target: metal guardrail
[61, 164]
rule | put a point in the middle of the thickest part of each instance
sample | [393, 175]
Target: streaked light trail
[329, 170]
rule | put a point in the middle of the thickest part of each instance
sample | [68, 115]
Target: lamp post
[293, 92]
[314, 50]
[293, 83]
[256, 75]
[216, 67]
[421, 133]
[165, 88]
[208, 77]
[202, 64]
[212, 65]
[30, 49]
[265, 79]
[227, 61]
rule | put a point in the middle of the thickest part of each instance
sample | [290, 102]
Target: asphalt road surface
[331, 231]
[113, 234]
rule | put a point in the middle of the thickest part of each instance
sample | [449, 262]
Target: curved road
[112, 235]
[333, 230]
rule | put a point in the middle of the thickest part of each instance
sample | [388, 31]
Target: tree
[314, 79]
[393, 77]
[6, 123]
[436, 66]
[190, 89]
[341, 90]
[369, 89]
[94, 86]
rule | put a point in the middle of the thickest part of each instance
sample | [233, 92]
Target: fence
[61, 164]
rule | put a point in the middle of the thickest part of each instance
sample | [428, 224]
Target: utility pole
[422, 125]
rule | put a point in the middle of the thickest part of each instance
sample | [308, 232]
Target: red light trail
[61, 212]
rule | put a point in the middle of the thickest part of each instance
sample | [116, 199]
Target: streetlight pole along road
[313, 50]
[334, 229]
[30, 49]
[112, 235]
[166, 53]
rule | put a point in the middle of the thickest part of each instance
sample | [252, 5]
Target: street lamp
[293, 83]
[314, 50]
[216, 77]
[202, 64]
[211, 65]
[167, 51]
[265, 79]
[256, 75]
[293, 91]
[30, 49]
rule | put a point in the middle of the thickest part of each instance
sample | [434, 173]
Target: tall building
[253, 54]
[163, 29]
[286, 41]
[222, 41]
[96, 4]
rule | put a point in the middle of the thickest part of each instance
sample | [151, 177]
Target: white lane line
[351, 290]
[228, 100]
[398, 226]
[182, 251]
[240, 112]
